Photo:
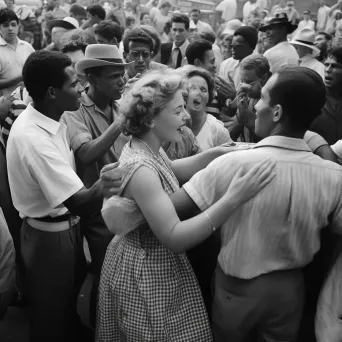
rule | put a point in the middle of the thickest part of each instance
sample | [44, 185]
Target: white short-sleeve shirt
[12, 61]
[212, 134]
[41, 165]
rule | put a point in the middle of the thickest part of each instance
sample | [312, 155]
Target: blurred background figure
[323, 43]
[306, 22]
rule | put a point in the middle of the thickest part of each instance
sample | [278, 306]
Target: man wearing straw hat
[281, 52]
[304, 44]
[96, 139]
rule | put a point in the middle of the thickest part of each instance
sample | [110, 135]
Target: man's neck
[281, 41]
[101, 101]
[286, 132]
[49, 110]
[180, 44]
[12, 42]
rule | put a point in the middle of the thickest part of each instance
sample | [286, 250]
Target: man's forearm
[93, 150]
[86, 202]
[10, 82]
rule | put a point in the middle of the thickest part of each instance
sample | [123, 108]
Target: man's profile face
[320, 41]
[208, 62]
[264, 110]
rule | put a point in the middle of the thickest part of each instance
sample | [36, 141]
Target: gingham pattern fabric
[148, 293]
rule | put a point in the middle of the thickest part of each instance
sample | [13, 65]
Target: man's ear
[51, 93]
[278, 113]
[197, 62]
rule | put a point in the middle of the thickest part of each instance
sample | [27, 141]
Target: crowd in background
[85, 85]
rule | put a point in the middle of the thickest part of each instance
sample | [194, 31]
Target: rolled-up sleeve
[78, 131]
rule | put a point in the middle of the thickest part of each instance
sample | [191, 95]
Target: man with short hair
[13, 52]
[108, 32]
[172, 54]
[78, 12]
[95, 14]
[199, 25]
[258, 286]
[96, 139]
[329, 123]
[75, 50]
[281, 52]
[244, 42]
[49, 197]
[307, 52]
[323, 43]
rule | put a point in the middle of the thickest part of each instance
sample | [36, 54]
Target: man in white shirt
[172, 54]
[304, 44]
[282, 52]
[306, 22]
[13, 52]
[49, 195]
[322, 16]
[244, 42]
[201, 26]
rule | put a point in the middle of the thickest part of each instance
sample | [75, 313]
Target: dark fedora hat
[279, 19]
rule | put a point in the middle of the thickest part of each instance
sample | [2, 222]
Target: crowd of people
[199, 166]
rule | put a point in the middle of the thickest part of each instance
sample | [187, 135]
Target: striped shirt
[279, 228]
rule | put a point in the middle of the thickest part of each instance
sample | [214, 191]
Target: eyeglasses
[136, 55]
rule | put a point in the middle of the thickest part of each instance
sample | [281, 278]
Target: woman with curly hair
[209, 131]
[148, 291]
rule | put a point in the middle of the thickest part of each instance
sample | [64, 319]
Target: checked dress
[147, 292]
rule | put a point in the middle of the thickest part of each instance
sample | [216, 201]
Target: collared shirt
[329, 123]
[312, 63]
[310, 24]
[202, 26]
[280, 55]
[174, 54]
[87, 124]
[230, 68]
[41, 165]
[212, 134]
[7, 256]
[12, 61]
[279, 228]
[322, 18]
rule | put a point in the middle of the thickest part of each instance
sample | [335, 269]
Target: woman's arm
[185, 168]
[146, 189]
[333, 8]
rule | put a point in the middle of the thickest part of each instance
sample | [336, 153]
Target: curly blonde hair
[146, 98]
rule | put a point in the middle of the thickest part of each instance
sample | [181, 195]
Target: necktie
[179, 58]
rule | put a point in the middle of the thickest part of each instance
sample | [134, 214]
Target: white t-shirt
[312, 63]
[337, 148]
[280, 55]
[212, 134]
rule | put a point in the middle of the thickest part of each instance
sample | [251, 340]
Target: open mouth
[197, 103]
[180, 129]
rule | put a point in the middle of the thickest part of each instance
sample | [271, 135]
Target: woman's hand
[243, 188]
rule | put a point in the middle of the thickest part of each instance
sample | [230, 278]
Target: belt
[56, 219]
[54, 226]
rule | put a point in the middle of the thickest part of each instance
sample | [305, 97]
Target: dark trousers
[55, 269]
[98, 237]
[267, 308]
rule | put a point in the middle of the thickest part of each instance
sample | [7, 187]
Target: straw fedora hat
[100, 55]
[305, 37]
[68, 23]
[279, 19]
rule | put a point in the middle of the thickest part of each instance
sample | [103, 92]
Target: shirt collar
[3, 42]
[284, 142]
[42, 121]
[182, 47]
[307, 58]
